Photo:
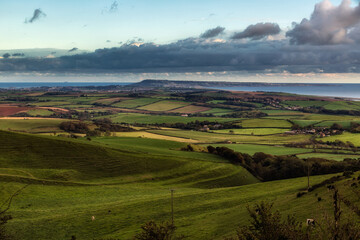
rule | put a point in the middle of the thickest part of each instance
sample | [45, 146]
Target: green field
[207, 137]
[305, 123]
[265, 123]
[72, 180]
[51, 104]
[164, 106]
[151, 119]
[134, 103]
[31, 125]
[351, 137]
[40, 112]
[253, 131]
[254, 148]
[344, 124]
[306, 103]
[283, 113]
[219, 111]
[124, 180]
[336, 157]
[190, 109]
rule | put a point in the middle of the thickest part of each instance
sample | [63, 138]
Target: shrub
[153, 231]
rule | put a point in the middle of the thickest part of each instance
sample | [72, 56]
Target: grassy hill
[113, 160]
[124, 182]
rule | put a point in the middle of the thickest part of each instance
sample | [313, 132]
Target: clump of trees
[355, 127]
[268, 167]
[246, 114]
[323, 110]
[154, 231]
[198, 125]
[74, 127]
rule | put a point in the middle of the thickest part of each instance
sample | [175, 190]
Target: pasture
[31, 125]
[253, 131]
[164, 106]
[134, 103]
[208, 137]
[100, 178]
[152, 119]
[254, 148]
[265, 123]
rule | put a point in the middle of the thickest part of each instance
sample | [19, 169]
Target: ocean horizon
[344, 90]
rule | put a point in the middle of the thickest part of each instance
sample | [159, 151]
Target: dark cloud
[212, 32]
[36, 16]
[197, 55]
[114, 7]
[328, 24]
[73, 49]
[258, 31]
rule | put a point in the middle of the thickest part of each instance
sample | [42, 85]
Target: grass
[254, 148]
[254, 131]
[351, 137]
[306, 103]
[219, 111]
[125, 180]
[134, 103]
[40, 112]
[336, 157]
[152, 119]
[164, 106]
[305, 123]
[207, 137]
[190, 109]
[344, 124]
[61, 211]
[265, 123]
[31, 125]
[51, 104]
[282, 113]
[143, 134]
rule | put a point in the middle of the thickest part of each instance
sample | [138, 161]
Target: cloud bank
[214, 32]
[327, 42]
[258, 31]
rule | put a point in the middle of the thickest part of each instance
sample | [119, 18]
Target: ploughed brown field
[8, 110]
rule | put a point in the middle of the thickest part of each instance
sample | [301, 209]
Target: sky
[89, 24]
[277, 40]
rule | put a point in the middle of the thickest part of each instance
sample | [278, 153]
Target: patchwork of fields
[122, 152]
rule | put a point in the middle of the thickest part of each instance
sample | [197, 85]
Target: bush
[268, 225]
[74, 127]
[153, 231]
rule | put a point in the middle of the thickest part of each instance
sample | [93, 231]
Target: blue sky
[88, 24]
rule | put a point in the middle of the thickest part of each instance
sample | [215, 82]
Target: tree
[267, 225]
[153, 231]
[336, 126]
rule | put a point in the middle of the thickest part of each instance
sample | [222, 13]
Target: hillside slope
[110, 161]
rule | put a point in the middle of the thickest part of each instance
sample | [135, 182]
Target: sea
[327, 90]
[346, 90]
